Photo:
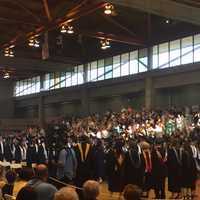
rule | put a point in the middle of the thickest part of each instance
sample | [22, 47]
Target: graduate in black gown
[85, 159]
[189, 171]
[42, 156]
[32, 153]
[52, 159]
[2, 148]
[17, 152]
[8, 150]
[115, 166]
[134, 165]
[174, 164]
[99, 161]
[147, 157]
[159, 169]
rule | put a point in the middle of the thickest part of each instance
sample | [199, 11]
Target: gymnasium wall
[178, 86]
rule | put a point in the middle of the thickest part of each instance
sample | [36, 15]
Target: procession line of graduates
[144, 164]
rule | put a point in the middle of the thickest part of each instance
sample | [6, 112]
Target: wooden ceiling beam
[55, 24]
[119, 25]
[27, 10]
[14, 21]
[47, 11]
[135, 41]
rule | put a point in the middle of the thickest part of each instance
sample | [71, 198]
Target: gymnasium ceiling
[134, 24]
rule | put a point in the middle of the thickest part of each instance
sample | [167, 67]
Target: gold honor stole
[148, 162]
[84, 157]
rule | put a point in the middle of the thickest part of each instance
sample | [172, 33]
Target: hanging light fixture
[70, 29]
[8, 52]
[109, 8]
[67, 29]
[34, 42]
[105, 44]
[63, 29]
[31, 42]
[37, 43]
[6, 75]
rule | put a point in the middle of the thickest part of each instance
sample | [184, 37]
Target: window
[143, 61]
[101, 70]
[62, 79]
[187, 50]
[27, 86]
[181, 51]
[57, 80]
[197, 48]
[47, 81]
[32, 85]
[17, 88]
[93, 71]
[125, 64]
[88, 73]
[29, 82]
[37, 86]
[52, 81]
[75, 76]
[116, 66]
[80, 74]
[175, 53]
[134, 62]
[155, 57]
[163, 55]
[68, 81]
[108, 68]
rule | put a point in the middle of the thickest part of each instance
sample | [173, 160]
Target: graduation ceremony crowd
[132, 151]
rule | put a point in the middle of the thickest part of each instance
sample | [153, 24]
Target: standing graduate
[17, 151]
[174, 164]
[42, 152]
[134, 165]
[2, 149]
[85, 160]
[67, 163]
[159, 169]
[32, 153]
[189, 171]
[8, 150]
[99, 161]
[115, 166]
[52, 159]
[147, 156]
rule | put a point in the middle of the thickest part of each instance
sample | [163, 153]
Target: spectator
[44, 190]
[132, 192]
[91, 190]
[25, 175]
[27, 193]
[8, 187]
[66, 193]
